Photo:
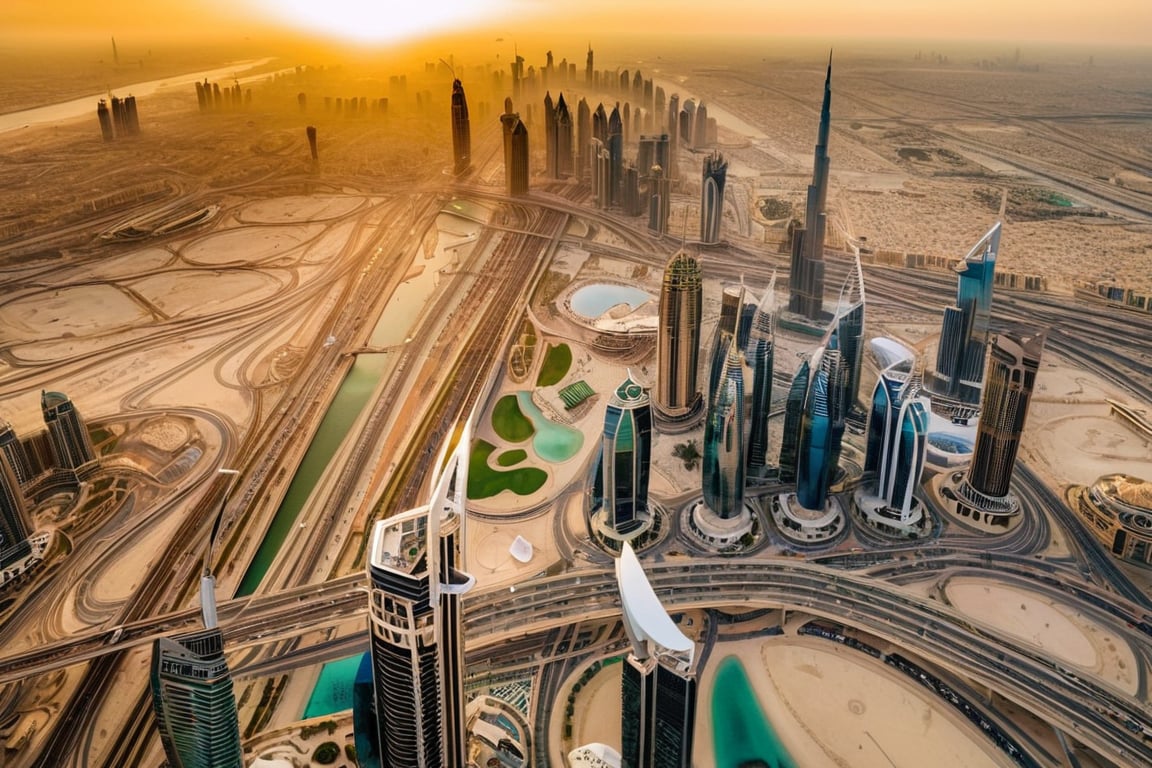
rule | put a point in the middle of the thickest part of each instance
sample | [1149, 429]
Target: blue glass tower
[821, 429]
[897, 439]
[626, 449]
[723, 465]
[761, 344]
[955, 385]
[850, 335]
[793, 418]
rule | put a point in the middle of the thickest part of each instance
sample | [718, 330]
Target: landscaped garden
[484, 481]
[510, 422]
[555, 367]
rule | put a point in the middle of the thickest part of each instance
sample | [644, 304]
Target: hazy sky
[376, 21]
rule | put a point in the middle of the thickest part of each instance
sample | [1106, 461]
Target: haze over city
[514, 384]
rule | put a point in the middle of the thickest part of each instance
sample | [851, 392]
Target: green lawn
[484, 481]
[509, 422]
[512, 458]
[555, 367]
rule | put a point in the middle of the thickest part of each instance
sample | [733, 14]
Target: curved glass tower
[723, 465]
[761, 344]
[793, 418]
[416, 577]
[712, 197]
[956, 383]
[897, 439]
[821, 429]
[193, 701]
[626, 449]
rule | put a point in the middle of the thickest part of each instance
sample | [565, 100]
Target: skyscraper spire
[806, 281]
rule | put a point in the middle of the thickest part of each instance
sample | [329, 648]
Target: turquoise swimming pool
[555, 443]
[741, 734]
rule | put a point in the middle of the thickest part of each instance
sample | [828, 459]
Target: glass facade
[712, 197]
[626, 450]
[964, 331]
[821, 429]
[723, 464]
[897, 439]
[193, 701]
[1013, 362]
[461, 130]
[793, 418]
[678, 336]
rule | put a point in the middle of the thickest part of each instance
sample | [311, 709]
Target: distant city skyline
[356, 21]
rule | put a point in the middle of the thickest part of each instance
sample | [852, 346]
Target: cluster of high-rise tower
[589, 144]
[119, 121]
[38, 465]
[417, 575]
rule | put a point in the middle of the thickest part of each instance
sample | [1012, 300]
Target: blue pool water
[555, 443]
[333, 689]
[591, 301]
[741, 734]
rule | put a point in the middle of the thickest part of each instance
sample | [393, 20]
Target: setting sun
[364, 21]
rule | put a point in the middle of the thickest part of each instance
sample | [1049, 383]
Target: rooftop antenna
[451, 69]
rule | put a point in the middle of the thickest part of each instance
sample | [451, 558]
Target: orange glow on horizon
[369, 22]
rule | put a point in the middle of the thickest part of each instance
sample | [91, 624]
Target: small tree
[327, 753]
[689, 453]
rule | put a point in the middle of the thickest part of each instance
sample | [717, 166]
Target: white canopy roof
[644, 616]
[521, 549]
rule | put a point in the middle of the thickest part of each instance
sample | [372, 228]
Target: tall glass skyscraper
[71, 445]
[806, 277]
[615, 146]
[416, 577]
[515, 153]
[14, 523]
[678, 339]
[1011, 377]
[728, 327]
[461, 130]
[822, 428]
[723, 462]
[793, 418]
[712, 197]
[562, 167]
[955, 385]
[626, 450]
[17, 457]
[897, 438]
[761, 348]
[850, 335]
[193, 700]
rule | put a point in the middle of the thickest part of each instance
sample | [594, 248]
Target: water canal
[395, 323]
